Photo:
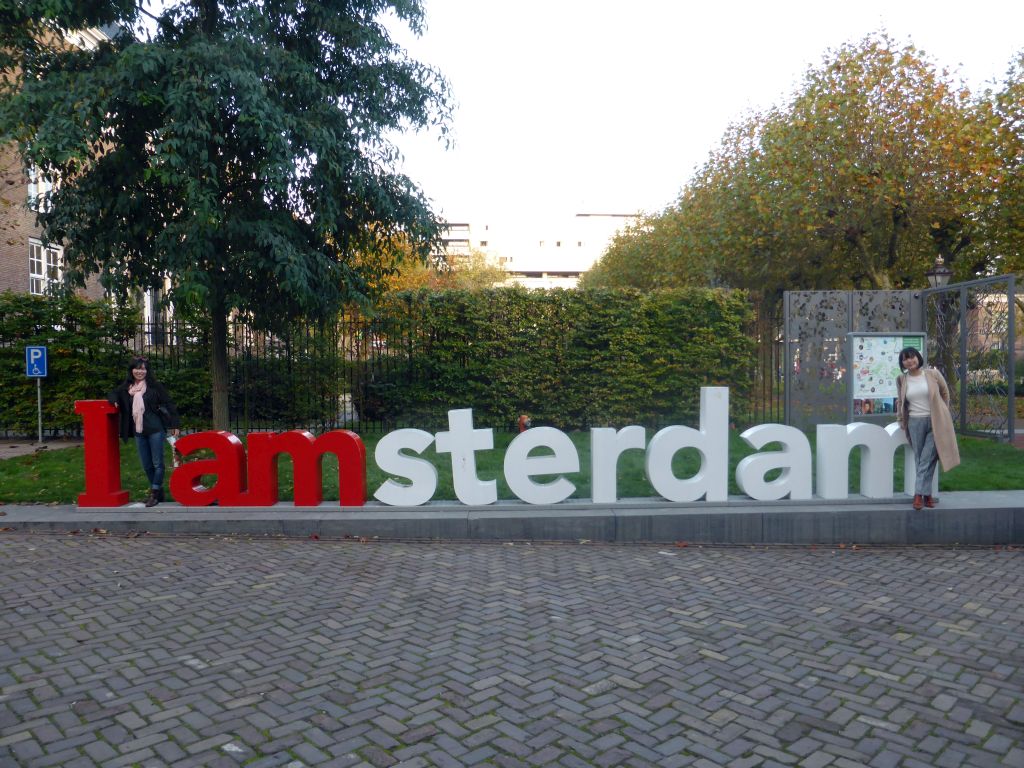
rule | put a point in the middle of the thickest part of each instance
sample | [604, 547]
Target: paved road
[227, 652]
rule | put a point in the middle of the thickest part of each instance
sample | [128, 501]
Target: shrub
[86, 357]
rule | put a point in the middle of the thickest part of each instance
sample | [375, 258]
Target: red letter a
[228, 465]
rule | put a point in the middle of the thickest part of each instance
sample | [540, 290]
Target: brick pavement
[228, 652]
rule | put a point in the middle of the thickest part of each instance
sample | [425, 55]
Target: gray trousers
[925, 456]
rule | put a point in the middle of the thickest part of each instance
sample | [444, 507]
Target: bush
[86, 357]
[570, 359]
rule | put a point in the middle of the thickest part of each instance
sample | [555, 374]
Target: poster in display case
[874, 366]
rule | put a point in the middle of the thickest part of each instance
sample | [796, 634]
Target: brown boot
[929, 501]
[151, 499]
[918, 501]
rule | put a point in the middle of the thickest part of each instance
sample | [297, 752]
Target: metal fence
[323, 377]
[334, 375]
[972, 337]
[310, 376]
[768, 393]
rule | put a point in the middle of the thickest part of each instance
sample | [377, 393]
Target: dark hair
[139, 362]
[909, 352]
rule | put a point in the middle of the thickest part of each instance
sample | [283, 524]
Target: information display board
[875, 364]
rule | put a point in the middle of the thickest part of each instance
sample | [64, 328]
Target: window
[44, 267]
[39, 190]
[483, 243]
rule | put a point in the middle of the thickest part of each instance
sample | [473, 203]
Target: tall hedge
[570, 359]
[85, 343]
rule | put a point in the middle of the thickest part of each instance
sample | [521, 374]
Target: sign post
[35, 368]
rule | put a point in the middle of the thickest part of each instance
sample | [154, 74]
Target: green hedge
[86, 357]
[570, 359]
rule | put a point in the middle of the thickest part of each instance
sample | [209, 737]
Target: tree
[655, 252]
[396, 268]
[240, 148]
[877, 165]
[1007, 216]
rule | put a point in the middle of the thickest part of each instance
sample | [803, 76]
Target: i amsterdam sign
[248, 477]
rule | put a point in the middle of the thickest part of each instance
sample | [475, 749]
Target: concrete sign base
[966, 518]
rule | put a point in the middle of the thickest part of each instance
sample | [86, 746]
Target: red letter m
[307, 453]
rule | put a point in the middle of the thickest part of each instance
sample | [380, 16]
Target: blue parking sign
[35, 362]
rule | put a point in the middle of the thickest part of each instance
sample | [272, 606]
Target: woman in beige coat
[922, 403]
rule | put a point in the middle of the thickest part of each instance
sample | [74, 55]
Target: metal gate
[815, 359]
[971, 332]
[972, 339]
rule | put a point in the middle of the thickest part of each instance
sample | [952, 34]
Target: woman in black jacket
[147, 413]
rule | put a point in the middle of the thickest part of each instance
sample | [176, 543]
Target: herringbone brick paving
[228, 652]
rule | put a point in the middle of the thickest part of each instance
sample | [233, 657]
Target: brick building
[27, 265]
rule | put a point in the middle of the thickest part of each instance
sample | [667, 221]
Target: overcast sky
[601, 106]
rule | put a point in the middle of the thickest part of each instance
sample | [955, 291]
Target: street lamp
[939, 274]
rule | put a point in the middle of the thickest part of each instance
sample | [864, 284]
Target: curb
[965, 518]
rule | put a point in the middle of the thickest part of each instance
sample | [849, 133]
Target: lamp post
[939, 274]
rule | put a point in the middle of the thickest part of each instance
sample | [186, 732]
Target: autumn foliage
[878, 164]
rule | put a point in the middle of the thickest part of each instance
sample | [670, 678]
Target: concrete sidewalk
[11, 448]
[975, 518]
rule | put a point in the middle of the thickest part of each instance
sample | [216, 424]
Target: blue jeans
[151, 454]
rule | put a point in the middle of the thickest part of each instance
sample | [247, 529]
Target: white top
[917, 396]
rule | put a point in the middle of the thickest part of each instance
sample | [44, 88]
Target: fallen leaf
[842, 546]
[682, 544]
[99, 530]
[314, 537]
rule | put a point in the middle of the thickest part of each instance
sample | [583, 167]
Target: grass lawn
[57, 476]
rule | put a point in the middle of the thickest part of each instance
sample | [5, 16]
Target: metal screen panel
[817, 323]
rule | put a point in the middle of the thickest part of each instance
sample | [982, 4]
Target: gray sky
[568, 106]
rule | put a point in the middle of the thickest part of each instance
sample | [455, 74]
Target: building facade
[27, 263]
[535, 253]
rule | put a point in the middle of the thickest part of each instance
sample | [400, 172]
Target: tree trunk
[879, 279]
[219, 364]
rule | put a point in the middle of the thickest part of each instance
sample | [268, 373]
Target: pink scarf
[137, 390]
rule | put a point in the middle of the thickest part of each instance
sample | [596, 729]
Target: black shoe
[160, 495]
[151, 499]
